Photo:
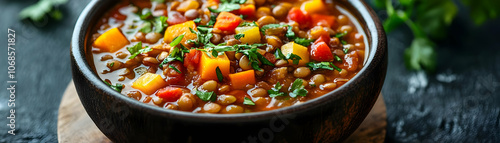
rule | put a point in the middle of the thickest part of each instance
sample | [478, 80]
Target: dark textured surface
[460, 102]
[42, 69]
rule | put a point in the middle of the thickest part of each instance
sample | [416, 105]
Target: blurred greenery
[38, 11]
[429, 20]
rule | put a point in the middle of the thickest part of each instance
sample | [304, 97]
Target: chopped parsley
[197, 20]
[220, 77]
[323, 65]
[146, 27]
[112, 64]
[248, 101]
[297, 89]
[228, 5]
[295, 58]
[145, 13]
[213, 18]
[176, 40]
[118, 87]
[248, 24]
[255, 57]
[160, 23]
[174, 68]
[341, 37]
[338, 59]
[346, 50]
[239, 36]
[176, 55]
[303, 41]
[137, 49]
[206, 96]
[275, 91]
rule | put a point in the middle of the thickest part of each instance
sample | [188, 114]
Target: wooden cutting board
[74, 125]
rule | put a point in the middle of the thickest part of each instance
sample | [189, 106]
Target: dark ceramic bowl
[329, 118]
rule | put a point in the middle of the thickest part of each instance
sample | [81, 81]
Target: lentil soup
[220, 56]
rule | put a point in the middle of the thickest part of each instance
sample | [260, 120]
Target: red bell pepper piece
[299, 16]
[320, 51]
[227, 21]
[169, 94]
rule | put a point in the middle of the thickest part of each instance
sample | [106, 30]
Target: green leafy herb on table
[38, 11]
[429, 19]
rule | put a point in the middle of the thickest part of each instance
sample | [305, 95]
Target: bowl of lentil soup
[177, 71]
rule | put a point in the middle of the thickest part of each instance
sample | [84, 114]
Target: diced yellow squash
[149, 83]
[187, 5]
[298, 50]
[241, 79]
[252, 34]
[179, 29]
[111, 41]
[314, 6]
[208, 65]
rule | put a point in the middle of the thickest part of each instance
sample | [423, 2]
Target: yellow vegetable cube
[252, 34]
[298, 50]
[314, 6]
[149, 83]
[187, 5]
[111, 41]
[179, 29]
[209, 64]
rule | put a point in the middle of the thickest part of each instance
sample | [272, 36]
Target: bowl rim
[359, 9]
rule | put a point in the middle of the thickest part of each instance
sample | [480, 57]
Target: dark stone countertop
[459, 102]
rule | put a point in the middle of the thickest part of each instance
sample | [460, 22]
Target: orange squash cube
[241, 79]
[111, 41]
[179, 29]
[209, 64]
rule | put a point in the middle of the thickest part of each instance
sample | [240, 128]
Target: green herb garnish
[160, 23]
[176, 40]
[323, 65]
[206, 96]
[137, 49]
[253, 24]
[227, 5]
[177, 54]
[145, 13]
[248, 101]
[297, 89]
[118, 87]
[338, 59]
[239, 36]
[197, 20]
[220, 77]
[275, 91]
[174, 68]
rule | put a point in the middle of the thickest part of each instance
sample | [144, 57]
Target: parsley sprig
[275, 91]
[323, 65]
[137, 49]
[295, 58]
[228, 5]
[297, 89]
[206, 96]
[118, 86]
